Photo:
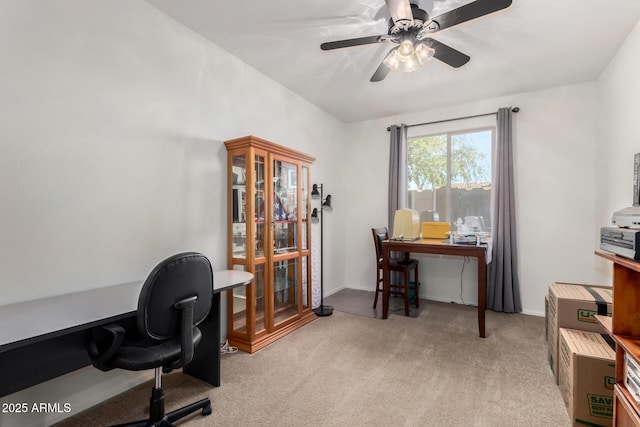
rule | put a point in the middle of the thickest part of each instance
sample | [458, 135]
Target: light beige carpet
[350, 370]
[357, 301]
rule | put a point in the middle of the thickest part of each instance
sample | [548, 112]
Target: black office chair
[401, 265]
[176, 297]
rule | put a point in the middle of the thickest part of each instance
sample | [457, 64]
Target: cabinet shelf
[269, 235]
[624, 328]
[631, 346]
[606, 323]
[617, 259]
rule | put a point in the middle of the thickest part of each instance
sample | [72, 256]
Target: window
[450, 174]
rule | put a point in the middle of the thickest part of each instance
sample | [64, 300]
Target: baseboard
[533, 313]
[327, 293]
[80, 389]
[438, 299]
[475, 304]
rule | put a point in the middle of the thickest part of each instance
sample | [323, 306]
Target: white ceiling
[532, 45]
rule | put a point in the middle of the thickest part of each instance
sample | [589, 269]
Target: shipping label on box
[574, 306]
[587, 375]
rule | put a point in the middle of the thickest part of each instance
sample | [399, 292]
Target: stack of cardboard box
[581, 354]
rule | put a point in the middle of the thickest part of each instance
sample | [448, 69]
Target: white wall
[111, 158]
[112, 122]
[554, 149]
[618, 136]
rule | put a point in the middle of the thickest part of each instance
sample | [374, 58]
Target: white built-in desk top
[30, 320]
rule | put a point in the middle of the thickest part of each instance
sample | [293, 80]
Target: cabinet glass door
[259, 206]
[260, 235]
[285, 290]
[305, 207]
[245, 295]
[259, 301]
[239, 206]
[306, 288]
[285, 207]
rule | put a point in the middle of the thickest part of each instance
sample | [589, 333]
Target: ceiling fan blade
[447, 54]
[400, 10]
[350, 42]
[380, 73]
[470, 11]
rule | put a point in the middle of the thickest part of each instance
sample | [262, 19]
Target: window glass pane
[427, 174]
[471, 178]
[449, 177]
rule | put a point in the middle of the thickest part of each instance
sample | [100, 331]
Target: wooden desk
[440, 247]
[44, 338]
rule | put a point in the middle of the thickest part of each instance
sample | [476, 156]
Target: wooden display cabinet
[624, 327]
[269, 235]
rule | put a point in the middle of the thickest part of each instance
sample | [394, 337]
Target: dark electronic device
[621, 241]
[624, 240]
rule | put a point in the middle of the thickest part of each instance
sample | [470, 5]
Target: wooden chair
[401, 265]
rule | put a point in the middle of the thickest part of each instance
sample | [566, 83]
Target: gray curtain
[503, 287]
[397, 171]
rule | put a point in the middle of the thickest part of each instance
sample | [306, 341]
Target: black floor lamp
[323, 310]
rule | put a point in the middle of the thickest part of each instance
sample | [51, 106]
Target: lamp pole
[323, 310]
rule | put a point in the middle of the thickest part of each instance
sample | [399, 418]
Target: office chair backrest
[176, 278]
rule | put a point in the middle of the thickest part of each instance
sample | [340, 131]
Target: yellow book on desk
[435, 230]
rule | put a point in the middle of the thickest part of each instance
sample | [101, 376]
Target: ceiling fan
[410, 28]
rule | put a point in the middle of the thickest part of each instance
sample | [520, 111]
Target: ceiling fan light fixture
[411, 64]
[405, 50]
[410, 27]
[424, 52]
[392, 60]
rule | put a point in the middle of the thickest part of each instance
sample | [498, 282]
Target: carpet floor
[356, 301]
[355, 370]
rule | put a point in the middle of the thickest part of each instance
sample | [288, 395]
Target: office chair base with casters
[157, 415]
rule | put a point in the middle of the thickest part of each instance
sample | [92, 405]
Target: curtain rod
[514, 109]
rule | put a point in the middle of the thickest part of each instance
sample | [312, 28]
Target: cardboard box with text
[587, 375]
[574, 306]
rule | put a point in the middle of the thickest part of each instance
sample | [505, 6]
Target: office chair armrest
[103, 342]
[185, 306]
